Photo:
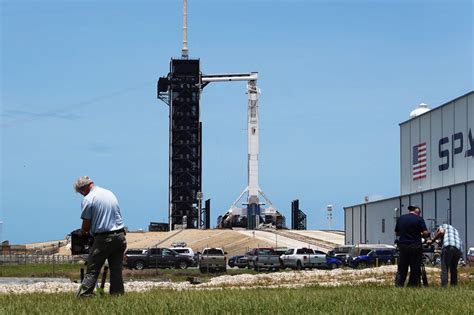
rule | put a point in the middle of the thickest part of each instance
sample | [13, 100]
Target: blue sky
[78, 97]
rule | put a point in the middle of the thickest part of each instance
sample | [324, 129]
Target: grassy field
[349, 300]
[41, 270]
[360, 299]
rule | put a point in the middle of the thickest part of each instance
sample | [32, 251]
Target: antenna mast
[184, 50]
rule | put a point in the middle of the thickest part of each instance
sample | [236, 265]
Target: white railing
[39, 259]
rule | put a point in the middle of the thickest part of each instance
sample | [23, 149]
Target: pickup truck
[263, 258]
[300, 258]
[212, 259]
[470, 256]
[239, 261]
[155, 258]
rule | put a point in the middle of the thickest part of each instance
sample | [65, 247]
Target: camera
[80, 242]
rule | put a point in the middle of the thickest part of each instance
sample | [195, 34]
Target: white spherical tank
[421, 109]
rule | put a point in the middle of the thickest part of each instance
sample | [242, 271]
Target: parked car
[155, 258]
[333, 262]
[238, 261]
[341, 252]
[188, 251]
[263, 258]
[300, 258]
[373, 257]
[470, 256]
[280, 250]
[360, 249]
[212, 259]
[136, 251]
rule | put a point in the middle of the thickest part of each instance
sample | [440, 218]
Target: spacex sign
[448, 147]
[437, 147]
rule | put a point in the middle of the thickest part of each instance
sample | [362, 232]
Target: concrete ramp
[234, 242]
[319, 240]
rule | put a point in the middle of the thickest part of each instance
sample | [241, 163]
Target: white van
[184, 250]
[188, 251]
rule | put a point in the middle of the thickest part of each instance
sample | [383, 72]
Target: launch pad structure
[181, 90]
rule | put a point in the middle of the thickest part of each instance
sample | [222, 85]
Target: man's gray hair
[82, 182]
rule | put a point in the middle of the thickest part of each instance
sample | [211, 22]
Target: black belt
[110, 232]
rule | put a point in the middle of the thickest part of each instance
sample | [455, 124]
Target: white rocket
[252, 190]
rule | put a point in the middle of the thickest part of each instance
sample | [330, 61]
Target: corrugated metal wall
[446, 195]
[454, 205]
[448, 132]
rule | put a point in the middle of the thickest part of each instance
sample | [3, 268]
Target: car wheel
[362, 264]
[333, 265]
[139, 265]
[298, 265]
[182, 265]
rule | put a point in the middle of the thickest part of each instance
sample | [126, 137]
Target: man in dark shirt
[410, 228]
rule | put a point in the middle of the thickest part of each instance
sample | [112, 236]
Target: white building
[437, 174]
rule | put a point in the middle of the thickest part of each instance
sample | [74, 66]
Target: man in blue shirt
[101, 218]
[410, 228]
[450, 253]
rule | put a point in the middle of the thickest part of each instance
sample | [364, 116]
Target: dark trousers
[105, 247]
[450, 256]
[410, 256]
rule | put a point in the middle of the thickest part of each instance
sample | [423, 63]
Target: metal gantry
[181, 90]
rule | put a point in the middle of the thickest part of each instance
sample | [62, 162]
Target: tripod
[424, 277]
[100, 289]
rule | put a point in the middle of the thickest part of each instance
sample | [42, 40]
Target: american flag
[419, 161]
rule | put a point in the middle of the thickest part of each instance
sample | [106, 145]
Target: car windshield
[265, 252]
[289, 252]
[134, 251]
[342, 250]
[471, 251]
[364, 251]
[212, 251]
[181, 251]
[168, 252]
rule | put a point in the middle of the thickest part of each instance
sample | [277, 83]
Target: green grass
[363, 299]
[72, 271]
[312, 300]
[40, 270]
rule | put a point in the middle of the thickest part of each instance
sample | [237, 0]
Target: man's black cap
[412, 208]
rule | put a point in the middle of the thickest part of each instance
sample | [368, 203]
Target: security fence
[17, 259]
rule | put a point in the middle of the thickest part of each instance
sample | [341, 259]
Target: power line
[72, 107]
